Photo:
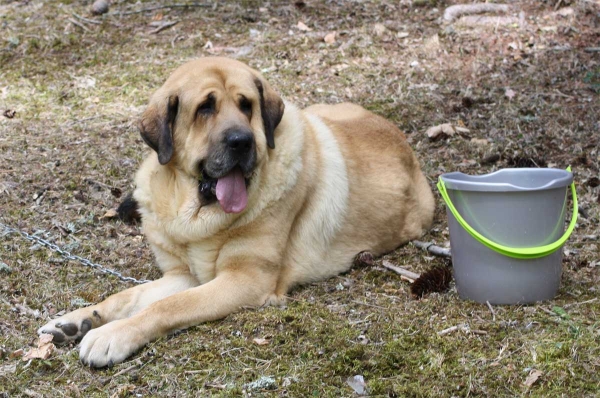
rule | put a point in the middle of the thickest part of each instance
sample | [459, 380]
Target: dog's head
[214, 119]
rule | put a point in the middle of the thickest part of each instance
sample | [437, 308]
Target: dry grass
[77, 94]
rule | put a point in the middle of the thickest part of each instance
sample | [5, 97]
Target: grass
[74, 145]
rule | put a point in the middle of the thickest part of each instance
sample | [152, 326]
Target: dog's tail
[128, 210]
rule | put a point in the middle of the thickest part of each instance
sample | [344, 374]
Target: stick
[86, 20]
[451, 329]
[592, 49]
[453, 12]
[162, 8]
[431, 248]
[129, 369]
[82, 26]
[400, 270]
[580, 303]
[164, 26]
[491, 310]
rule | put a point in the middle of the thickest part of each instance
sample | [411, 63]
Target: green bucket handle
[521, 253]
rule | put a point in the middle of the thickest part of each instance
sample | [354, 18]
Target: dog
[245, 196]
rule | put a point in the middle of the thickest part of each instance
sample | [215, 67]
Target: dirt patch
[71, 91]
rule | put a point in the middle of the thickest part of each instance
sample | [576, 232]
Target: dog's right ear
[156, 127]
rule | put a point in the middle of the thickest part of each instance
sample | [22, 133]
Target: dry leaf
[534, 375]
[462, 130]
[509, 93]
[447, 129]
[379, 29]
[16, 354]
[259, 341]
[439, 131]
[7, 369]
[44, 349]
[479, 141]
[329, 38]
[112, 213]
[302, 26]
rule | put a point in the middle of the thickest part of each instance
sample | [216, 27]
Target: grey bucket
[506, 232]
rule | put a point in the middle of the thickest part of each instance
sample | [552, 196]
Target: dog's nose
[239, 141]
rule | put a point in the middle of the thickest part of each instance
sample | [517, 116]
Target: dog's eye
[246, 106]
[207, 107]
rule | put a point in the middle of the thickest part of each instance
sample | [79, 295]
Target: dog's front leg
[74, 325]
[234, 287]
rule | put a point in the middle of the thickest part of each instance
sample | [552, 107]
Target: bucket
[506, 232]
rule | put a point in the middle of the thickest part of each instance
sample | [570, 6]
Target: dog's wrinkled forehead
[217, 73]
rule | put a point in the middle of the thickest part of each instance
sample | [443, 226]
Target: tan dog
[246, 196]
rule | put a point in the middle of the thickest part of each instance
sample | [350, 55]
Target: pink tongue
[231, 191]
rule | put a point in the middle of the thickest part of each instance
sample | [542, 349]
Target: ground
[72, 86]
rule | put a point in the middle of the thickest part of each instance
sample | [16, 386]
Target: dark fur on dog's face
[210, 116]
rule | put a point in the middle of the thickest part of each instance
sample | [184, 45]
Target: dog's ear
[271, 109]
[156, 127]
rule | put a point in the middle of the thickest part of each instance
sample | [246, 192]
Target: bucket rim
[556, 178]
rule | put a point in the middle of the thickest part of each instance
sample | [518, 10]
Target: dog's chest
[202, 258]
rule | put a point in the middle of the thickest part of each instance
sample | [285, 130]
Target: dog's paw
[70, 327]
[110, 344]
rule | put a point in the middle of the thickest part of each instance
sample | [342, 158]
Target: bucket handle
[521, 253]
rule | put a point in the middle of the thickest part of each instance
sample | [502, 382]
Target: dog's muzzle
[226, 171]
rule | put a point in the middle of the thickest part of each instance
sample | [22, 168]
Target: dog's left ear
[156, 127]
[271, 109]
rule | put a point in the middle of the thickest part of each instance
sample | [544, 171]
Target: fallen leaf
[439, 131]
[510, 94]
[379, 29]
[358, 384]
[302, 26]
[7, 369]
[111, 213]
[462, 130]
[329, 38]
[259, 341]
[16, 354]
[479, 141]
[44, 349]
[534, 375]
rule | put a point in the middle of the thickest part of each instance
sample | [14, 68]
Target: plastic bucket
[506, 232]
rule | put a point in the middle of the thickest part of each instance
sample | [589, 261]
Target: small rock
[100, 7]
[264, 383]
[358, 384]
[5, 268]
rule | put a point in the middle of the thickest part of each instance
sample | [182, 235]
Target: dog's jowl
[244, 196]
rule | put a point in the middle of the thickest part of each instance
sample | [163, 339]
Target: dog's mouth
[230, 190]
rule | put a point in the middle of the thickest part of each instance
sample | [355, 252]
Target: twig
[592, 49]
[163, 7]
[580, 303]
[129, 369]
[431, 248]
[400, 270]
[491, 310]
[164, 26]
[86, 19]
[453, 329]
[453, 12]
[82, 26]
